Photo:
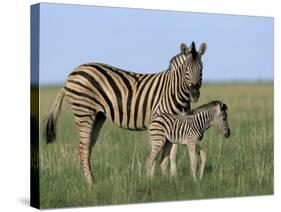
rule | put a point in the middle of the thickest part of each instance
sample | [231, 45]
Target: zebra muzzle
[194, 94]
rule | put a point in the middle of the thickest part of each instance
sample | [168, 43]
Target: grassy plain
[239, 166]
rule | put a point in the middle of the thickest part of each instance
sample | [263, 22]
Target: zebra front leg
[165, 157]
[173, 157]
[203, 156]
[192, 154]
[156, 146]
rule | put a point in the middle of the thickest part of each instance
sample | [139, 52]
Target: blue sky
[144, 41]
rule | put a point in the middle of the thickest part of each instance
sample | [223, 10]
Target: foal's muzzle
[227, 133]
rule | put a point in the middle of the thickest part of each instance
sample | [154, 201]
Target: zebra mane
[177, 61]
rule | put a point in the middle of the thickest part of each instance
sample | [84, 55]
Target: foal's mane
[208, 106]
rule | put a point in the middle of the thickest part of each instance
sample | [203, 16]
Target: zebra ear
[184, 49]
[202, 49]
[192, 49]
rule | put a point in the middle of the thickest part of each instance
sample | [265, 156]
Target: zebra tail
[51, 120]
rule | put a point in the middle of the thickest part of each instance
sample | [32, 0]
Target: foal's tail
[51, 120]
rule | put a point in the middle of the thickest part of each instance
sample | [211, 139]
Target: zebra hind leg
[99, 121]
[88, 131]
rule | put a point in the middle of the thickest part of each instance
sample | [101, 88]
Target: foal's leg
[165, 157]
[203, 156]
[173, 157]
[192, 154]
[156, 146]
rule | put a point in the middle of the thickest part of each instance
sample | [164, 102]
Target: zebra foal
[168, 129]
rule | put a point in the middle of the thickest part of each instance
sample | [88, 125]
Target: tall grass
[239, 166]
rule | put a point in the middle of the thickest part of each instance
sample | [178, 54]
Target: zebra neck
[204, 120]
[177, 93]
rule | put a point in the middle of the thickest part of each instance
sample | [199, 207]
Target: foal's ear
[223, 106]
[184, 49]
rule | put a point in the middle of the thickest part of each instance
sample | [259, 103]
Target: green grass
[239, 166]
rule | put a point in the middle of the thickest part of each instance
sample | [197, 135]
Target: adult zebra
[98, 91]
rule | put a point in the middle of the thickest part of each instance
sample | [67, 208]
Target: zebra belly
[177, 141]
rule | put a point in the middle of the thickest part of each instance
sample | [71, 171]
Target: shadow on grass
[209, 169]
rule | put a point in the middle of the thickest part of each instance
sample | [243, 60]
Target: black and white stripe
[167, 129]
[97, 91]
